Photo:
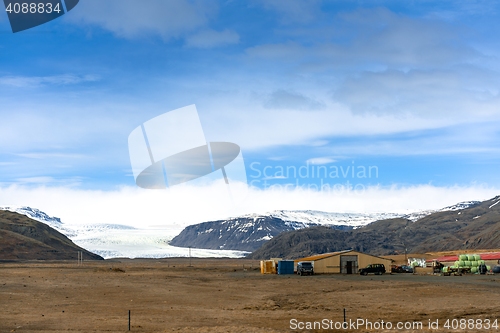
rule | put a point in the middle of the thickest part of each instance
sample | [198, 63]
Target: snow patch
[265, 238]
[495, 203]
[299, 219]
[460, 206]
[206, 231]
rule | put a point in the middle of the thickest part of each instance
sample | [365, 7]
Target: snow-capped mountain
[467, 225]
[36, 215]
[249, 232]
[354, 220]
[326, 218]
[242, 233]
[460, 206]
[70, 231]
[228, 238]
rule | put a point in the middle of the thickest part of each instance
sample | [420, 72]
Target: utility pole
[190, 256]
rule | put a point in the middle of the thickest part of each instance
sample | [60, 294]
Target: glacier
[123, 241]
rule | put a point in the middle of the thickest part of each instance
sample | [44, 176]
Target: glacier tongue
[117, 240]
[142, 243]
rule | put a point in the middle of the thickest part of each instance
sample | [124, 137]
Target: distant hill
[244, 234]
[472, 226]
[26, 239]
[249, 233]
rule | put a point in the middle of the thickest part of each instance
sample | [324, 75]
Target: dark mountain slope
[244, 234]
[474, 227]
[27, 239]
[460, 229]
[300, 243]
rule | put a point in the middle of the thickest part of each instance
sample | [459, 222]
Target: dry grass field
[222, 295]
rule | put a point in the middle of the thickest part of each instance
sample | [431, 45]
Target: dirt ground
[223, 295]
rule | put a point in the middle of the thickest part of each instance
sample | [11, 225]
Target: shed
[344, 262]
[269, 266]
[285, 267]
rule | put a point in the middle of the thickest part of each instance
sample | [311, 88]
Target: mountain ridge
[22, 238]
[249, 232]
[472, 226]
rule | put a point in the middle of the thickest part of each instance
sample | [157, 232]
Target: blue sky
[411, 88]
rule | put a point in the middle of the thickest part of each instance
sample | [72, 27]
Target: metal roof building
[344, 262]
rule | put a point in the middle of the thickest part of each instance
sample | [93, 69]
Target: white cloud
[81, 123]
[460, 10]
[36, 81]
[277, 158]
[274, 177]
[336, 130]
[371, 38]
[255, 127]
[319, 143]
[380, 35]
[283, 99]
[44, 155]
[320, 160]
[35, 180]
[49, 181]
[280, 51]
[97, 127]
[436, 93]
[294, 11]
[211, 38]
[132, 19]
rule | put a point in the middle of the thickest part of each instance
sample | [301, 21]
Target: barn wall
[327, 265]
[332, 264]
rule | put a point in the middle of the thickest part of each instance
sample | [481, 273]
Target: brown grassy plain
[223, 295]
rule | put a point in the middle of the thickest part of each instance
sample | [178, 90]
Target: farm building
[344, 262]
